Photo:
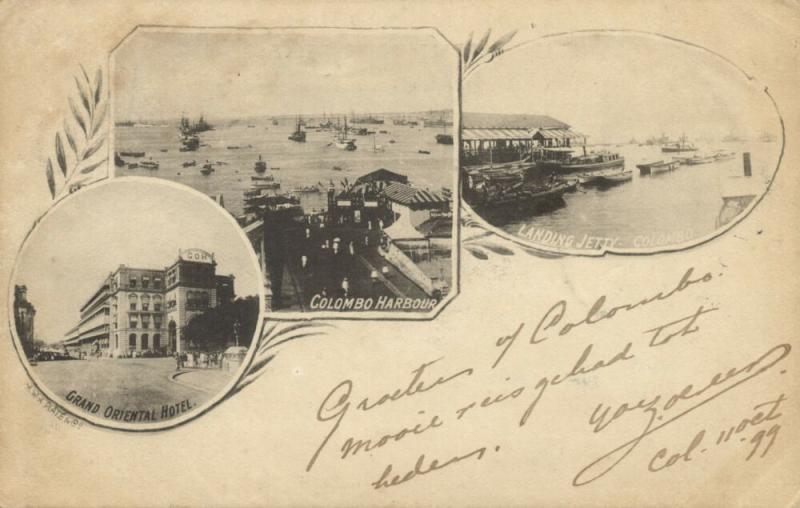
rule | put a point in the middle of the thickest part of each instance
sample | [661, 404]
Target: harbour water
[651, 210]
[301, 164]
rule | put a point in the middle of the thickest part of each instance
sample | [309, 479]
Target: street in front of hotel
[147, 389]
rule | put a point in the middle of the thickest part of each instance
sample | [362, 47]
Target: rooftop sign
[196, 255]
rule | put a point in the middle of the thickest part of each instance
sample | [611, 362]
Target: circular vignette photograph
[135, 303]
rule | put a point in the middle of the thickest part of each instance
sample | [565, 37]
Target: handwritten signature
[659, 406]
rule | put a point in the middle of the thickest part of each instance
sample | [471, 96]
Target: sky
[141, 224]
[614, 87]
[160, 74]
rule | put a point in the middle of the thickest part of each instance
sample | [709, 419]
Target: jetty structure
[527, 163]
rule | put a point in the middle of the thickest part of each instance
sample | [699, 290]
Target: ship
[299, 135]
[261, 165]
[149, 164]
[661, 166]
[722, 155]
[699, 159]
[368, 120]
[208, 168]
[444, 138]
[441, 122]
[766, 137]
[262, 178]
[679, 146]
[732, 138]
[187, 128]
[604, 179]
[342, 141]
[308, 189]
[562, 160]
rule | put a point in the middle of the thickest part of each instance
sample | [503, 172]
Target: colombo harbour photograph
[135, 302]
[614, 141]
[332, 148]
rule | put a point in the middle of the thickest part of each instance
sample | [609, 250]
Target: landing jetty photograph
[332, 148]
[614, 141]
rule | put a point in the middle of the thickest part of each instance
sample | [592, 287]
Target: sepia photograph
[613, 141]
[136, 302]
[332, 148]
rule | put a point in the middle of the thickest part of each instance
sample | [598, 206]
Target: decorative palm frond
[90, 116]
[276, 334]
[481, 53]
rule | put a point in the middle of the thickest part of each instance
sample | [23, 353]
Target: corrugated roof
[408, 195]
[472, 134]
[558, 134]
[382, 174]
[510, 121]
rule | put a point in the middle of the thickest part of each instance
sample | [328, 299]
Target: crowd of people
[198, 360]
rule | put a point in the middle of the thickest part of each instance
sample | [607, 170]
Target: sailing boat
[342, 141]
[299, 134]
[444, 138]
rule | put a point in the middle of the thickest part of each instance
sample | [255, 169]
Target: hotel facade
[144, 310]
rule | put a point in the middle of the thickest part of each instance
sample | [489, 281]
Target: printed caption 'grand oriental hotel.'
[141, 309]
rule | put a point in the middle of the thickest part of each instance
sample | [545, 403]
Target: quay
[379, 238]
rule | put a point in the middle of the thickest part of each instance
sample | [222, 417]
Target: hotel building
[143, 309]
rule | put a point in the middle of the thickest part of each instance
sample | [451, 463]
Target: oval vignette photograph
[615, 142]
[135, 303]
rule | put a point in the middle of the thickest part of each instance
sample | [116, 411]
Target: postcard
[399, 253]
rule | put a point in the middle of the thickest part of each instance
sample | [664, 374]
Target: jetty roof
[473, 134]
[510, 121]
[557, 134]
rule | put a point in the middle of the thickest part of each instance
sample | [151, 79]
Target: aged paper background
[254, 448]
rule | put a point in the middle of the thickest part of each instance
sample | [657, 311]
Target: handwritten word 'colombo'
[554, 318]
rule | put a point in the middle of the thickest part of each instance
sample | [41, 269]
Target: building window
[157, 324]
[156, 341]
[145, 322]
[145, 339]
[145, 302]
[116, 341]
[132, 340]
[171, 304]
[157, 282]
[145, 281]
[134, 300]
[133, 322]
[132, 281]
[157, 303]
